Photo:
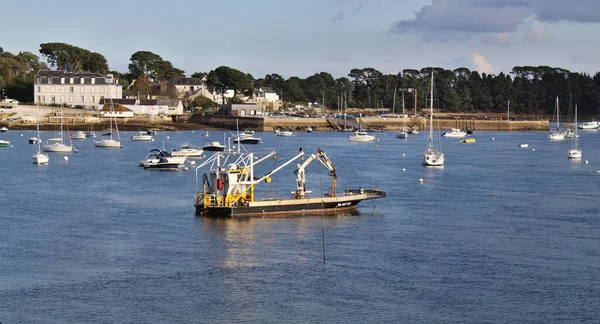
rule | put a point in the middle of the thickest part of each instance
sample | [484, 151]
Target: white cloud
[481, 64]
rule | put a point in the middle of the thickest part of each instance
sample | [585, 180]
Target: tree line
[530, 89]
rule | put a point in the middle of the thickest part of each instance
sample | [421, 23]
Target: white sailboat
[557, 135]
[575, 152]
[110, 142]
[57, 144]
[403, 131]
[359, 135]
[432, 156]
[39, 157]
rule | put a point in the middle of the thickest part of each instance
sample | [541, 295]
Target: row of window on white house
[82, 99]
[72, 80]
[70, 89]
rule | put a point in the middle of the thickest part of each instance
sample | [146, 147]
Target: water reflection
[243, 238]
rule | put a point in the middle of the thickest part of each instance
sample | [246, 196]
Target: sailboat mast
[431, 112]
[508, 111]
[576, 142]
[37, 128]
[557, 114]
[394, 104]
[110, 118]
[61, 124]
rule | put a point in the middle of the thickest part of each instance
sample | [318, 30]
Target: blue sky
[300, 38]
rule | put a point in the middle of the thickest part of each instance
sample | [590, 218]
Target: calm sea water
[500, 234]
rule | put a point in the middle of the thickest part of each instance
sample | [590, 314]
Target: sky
[300, 38]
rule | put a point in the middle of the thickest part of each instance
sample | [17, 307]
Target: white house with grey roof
[75, 88]
[167, 107]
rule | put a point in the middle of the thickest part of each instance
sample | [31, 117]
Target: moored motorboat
[228, 189]
[214, 147]
[360, 136]
[590, 125]
[155, 155]
[455, 132]
[188, 150]
[4, 143]
[162, 164]
[33, 140]
[3, 129]
[284, 133]
[142, 136]
[78, 135]
[247, 139]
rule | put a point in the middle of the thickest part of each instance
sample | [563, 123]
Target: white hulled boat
[590, 125]
[284, 133]
[403, 131]
[187, 150]
[359, 135]
[432, 156]
[557, 135]
[78, 135]
[57, 145]
[575, 152]
[455, 132]
[39, 157]
[110, 142]
[142, 136]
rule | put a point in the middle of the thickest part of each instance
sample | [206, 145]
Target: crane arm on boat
[301, 174]
[299, 155]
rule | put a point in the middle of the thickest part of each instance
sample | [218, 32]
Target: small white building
[168, 107]
[266, 95]
[74, 88]
[117, 111]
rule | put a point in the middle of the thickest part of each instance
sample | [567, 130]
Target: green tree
[144, 64]
[225, 78]
[80, 59]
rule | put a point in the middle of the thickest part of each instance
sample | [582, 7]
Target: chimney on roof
[68, 67]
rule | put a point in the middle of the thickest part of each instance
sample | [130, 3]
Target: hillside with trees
[530, 89]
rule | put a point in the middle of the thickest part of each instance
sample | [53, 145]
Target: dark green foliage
[152, 66]
[80, 59]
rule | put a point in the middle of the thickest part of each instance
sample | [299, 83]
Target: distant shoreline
[197, 122]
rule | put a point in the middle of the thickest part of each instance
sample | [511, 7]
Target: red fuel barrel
[219, 184]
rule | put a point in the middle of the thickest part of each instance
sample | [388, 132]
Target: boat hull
[574, 154]
[146, 138]
[4, 143]
[402, 135]
[78, 136]
[556, 137]
[162, 166]
[433, 159]
[291, 207]
[190, 153]
[361, 139]
[247, 141]
[60, 148]
[40, 159]
[590, 125]
[108, 144]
